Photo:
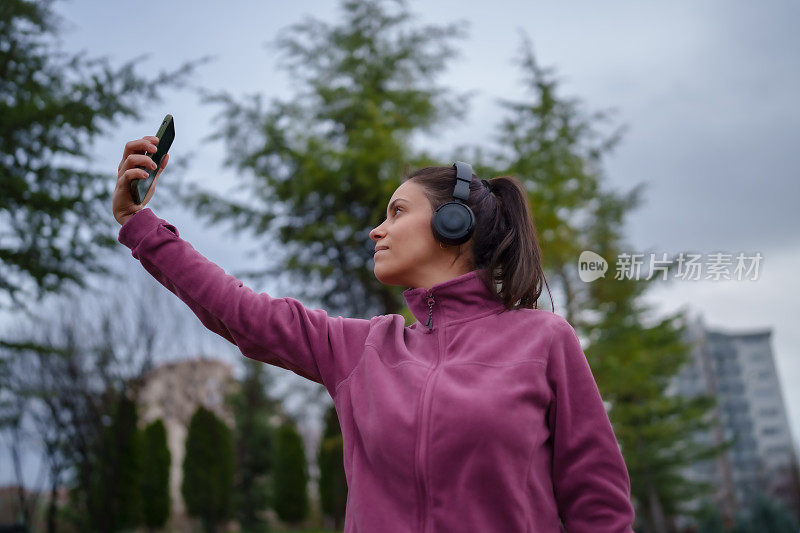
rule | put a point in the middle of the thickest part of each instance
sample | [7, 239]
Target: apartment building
[738, 369]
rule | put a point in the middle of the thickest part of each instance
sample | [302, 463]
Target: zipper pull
[431, 301]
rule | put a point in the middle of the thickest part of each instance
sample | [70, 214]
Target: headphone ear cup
[453, 223]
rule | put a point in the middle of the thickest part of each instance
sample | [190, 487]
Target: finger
[134, 160]
[148, 143]
[134, 174]
[145, 144]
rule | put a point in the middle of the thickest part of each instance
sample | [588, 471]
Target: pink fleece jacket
[471, 419]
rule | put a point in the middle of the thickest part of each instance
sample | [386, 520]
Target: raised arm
[278, 331]
[590, 479]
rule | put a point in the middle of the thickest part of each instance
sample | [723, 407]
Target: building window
[776, 450]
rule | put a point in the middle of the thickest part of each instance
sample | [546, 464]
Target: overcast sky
[708, 92]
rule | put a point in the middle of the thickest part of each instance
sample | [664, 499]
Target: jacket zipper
[423, 504]
[431, 301]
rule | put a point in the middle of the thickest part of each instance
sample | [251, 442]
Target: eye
[396, 209]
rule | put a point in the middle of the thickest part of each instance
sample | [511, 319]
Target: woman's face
[413, 257]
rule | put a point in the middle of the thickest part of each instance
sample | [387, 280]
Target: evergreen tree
[763, 516]
[556, 150]
[114, 471]
[709, 520]
[252, 407]
[289, 475]
[325, 162]
[127, 451]
[634, 357]
[156, 460]
[332, 480]
[208, 469]
[54, 213]
[766, 516]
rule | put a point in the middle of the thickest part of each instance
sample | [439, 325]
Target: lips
[379, 248]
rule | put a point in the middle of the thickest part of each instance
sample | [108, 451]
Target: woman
[481, 416]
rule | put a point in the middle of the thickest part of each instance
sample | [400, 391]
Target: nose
[376, 233]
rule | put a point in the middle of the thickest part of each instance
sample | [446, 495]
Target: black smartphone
[165, 134]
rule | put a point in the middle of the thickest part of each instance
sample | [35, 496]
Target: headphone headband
[463, 179]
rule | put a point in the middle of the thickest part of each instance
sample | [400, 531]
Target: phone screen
[165, 134]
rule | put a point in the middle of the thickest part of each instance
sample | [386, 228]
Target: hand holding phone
[138, 171]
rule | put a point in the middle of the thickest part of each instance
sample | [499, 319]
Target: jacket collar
[456, 298]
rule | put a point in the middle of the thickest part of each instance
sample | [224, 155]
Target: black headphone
[454, 222]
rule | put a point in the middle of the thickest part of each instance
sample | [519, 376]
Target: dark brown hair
[504, 244]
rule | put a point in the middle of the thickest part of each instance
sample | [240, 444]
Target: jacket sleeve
[278, 331]
[590, 479]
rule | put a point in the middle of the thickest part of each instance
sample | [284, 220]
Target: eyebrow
[389, 209]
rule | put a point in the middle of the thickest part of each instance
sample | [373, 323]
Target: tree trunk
[52, 507]
[659, 521]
